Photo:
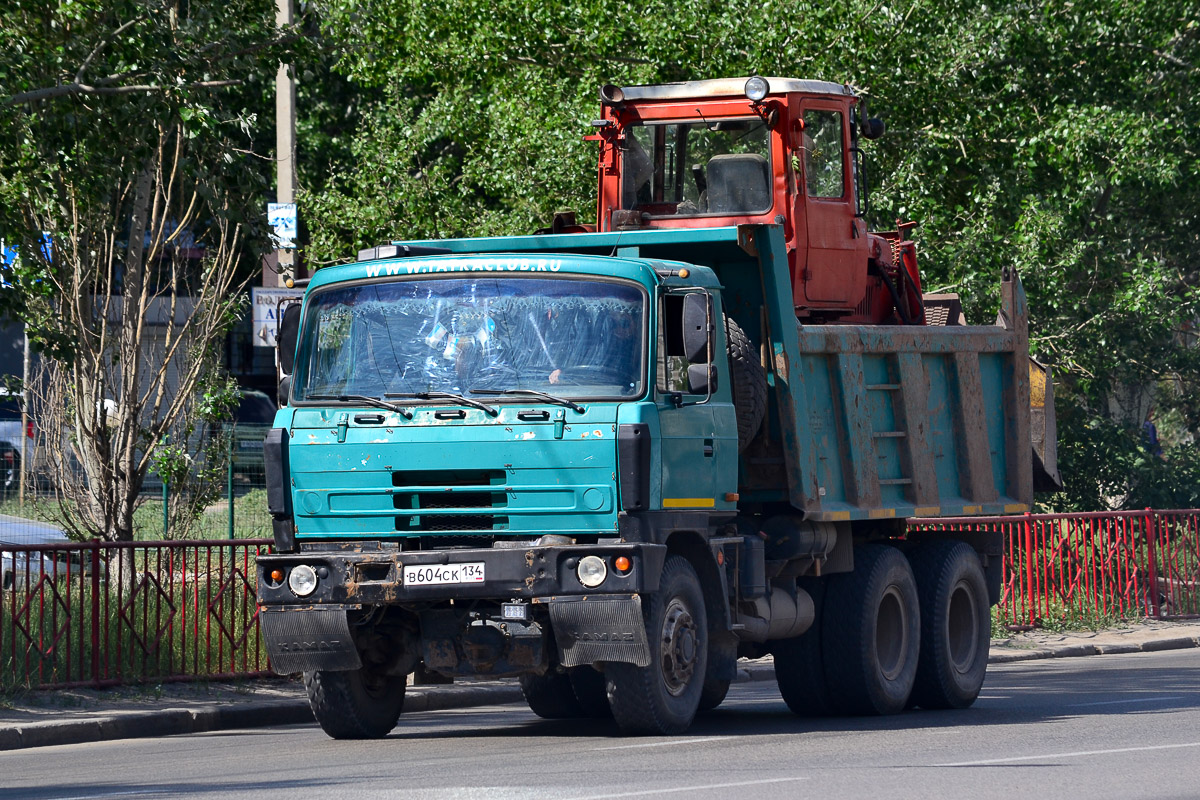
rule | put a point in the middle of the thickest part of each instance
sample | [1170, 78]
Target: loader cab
[736, 151]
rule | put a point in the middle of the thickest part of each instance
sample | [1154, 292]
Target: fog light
[303, 580]
[592, 571]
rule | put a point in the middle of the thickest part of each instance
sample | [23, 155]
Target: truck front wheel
[955, 625]
[356, 704]
[871, 632]
[662, 698]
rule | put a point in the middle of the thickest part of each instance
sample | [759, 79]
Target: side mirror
[702, 378]
[289, 334]
[696, 327]
[284, 392]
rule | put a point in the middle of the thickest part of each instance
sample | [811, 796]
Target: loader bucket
[1042, 429]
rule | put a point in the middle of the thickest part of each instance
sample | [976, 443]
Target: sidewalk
[38, 719]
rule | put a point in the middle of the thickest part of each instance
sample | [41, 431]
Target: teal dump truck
[610, 459]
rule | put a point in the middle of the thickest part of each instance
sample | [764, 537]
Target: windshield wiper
[447, 395]
[362, 398]
[562, 401]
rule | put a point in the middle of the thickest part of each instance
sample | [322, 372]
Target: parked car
[10, 419]
[252, 419]
[25, 568]
[10, 468]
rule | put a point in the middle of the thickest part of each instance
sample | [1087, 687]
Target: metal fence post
[1152, 559]
[96, 611]
[1030, 592]
[229, 482]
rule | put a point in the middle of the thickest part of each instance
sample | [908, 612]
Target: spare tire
[749, 382]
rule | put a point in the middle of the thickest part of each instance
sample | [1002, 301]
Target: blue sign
[282, 219]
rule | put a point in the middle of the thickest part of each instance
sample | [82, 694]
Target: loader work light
[757, 88]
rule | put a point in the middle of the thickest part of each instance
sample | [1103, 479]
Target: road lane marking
[666, 744]
[116, 793]
[676, 789]
[1123, 702]
[1076, 754]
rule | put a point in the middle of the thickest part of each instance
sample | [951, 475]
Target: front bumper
[350, 577]
[589, 624]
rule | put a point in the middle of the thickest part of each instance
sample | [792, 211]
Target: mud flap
[591, 629]
[302, 640]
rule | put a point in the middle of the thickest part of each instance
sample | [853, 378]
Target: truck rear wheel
[871, 633]
[955, 625]
[357, 704]
[663, 697]
[550, 695]
[590, 691]
[749, 382]
[799, 669]
[713, 694]
[567, 694]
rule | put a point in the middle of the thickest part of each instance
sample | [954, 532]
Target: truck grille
[437, 490]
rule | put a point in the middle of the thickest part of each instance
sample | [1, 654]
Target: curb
[1001, 655]
[204, 719]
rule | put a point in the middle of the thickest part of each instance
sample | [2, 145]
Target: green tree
[1056, 138]
[126, 139]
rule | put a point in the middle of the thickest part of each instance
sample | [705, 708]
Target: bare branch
[103, 44]
[76, 88]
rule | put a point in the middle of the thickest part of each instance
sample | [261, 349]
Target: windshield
[568, 338]
[700, 168]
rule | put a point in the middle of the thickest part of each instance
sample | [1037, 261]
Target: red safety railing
[1093, 566]
[100, 613]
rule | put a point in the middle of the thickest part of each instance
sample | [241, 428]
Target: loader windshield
[570, 338]
[702, 168]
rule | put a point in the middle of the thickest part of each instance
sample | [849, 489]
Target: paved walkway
[36, 719]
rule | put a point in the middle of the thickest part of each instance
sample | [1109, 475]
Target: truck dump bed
[946, 428]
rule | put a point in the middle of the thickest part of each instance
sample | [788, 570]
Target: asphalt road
[1110, 726]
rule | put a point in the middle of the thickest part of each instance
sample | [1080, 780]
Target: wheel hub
[678, 647]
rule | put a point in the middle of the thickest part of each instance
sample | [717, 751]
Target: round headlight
[757, 88]
[592, 571]
[303, 580]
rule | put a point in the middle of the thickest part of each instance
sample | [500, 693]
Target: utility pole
[284, 260]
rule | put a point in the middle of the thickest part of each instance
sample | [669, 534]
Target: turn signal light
[622, 564]
[276, 576]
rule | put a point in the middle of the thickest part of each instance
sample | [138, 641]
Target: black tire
[713, 694]
[550, 695]
[662, 698]
[591, 692]
[748, 381]
[799, 668]
[871, 631]
[355, 704]
[955, 625]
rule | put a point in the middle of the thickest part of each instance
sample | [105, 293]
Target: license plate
[434, 574]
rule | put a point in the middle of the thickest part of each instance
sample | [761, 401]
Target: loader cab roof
[728, 87]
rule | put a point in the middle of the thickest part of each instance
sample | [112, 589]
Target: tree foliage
[1057, 138]
[127, 178]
